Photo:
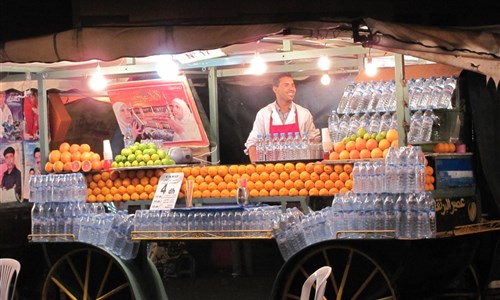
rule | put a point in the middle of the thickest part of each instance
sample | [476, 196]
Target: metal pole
[402, 110]
[214, 113]
[43, 120]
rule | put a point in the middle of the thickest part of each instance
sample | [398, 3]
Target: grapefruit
[54, 155]
[86, 166]
[392, 135]
[76, 166]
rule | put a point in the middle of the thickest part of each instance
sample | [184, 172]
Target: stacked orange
[429, 177]
[122, 185]
[364, 147]
[271, 179]
[73, 158]
[444, 148]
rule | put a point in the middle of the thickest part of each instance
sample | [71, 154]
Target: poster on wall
[11, 116]
[32, 164]
[30, 112]
[159, 110]
[11, 162]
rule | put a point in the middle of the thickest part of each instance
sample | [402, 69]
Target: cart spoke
[113, 291]
[367, 281]
[332, 274]
[75, 272]
[104, 279]
[344, 276]
[63, 288]
[87, 276]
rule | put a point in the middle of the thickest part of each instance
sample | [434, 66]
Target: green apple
[367, 136]
[114, 164]
[139, 157]
[131, 157]
[119, 158]
[170, 161]
[379, 137]
[137, 152]
[146, 157]
[151, 146]
[150, 163]
[142, 147]
[374, 135]
[164, 161]
[155, 157]
[383, 134]
[345, 140]
[162, 153]
[157, 162]
[120, 164]
[361, 132]
[142, 164]
[135, 163]
[133, 148]
[353, 137]
[125, 152]
[127, 164]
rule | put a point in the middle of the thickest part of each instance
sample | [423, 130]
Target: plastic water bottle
[366, 96]
[305, 146]
[374, 126]
[385, 121]
[375, 98]
[355, 98]
[259, 148]
[128, 138]
[367, 213]
[289, 146]
[345, 99]
[281, 146]
[38, 221]
[354, 124]
[333, 126]
[426, 125]
[427, 88]
[296, 146]
[364, 121]
[391, 168]
[378, 214]
[344, 126]
[414, 134]
[403, 169]
[268, 145]
[276, 146]
[412, 229]
[337, 223]
[400, 209]
[389, 211]
[430, 204]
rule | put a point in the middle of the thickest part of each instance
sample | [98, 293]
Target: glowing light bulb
[257, 66]
[166, 67]
[370, 68]
[97, 81]
[325, 79]
[323, 63]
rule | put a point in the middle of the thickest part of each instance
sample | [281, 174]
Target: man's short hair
[8, 150]
[37, 149]
[276, 79]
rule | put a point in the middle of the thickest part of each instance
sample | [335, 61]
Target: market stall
[297, 57]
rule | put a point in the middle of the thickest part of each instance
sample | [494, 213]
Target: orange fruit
[360, 144]
[242, 169]
[212, 186]
[264, 176]
[54, 155]
[65, 157]
[233, 169]
[212, 171]
[259, 185]
[339, 184]
[289, 167]
[314, 192]
[74, 148]
[371, 144]
[324, 176]
[58, 166]
[269, 168]
[67, 167]
[231, 186]
[96, 177]
[452, 148]
[269, 185]
[343, 190]
[384, 144]
[303, 192]
[339, 168]
[334, 176]
[203, 186]
[298, 184]
[329, 184]
[84, 148]
[334, 156]
[395, 143]
[323, 192]
[294, 175]
[377, 153]
[279, 167]
[273, 193]
[391, 135]
[249, 169]
[293, 192]
[254, 177]
[91, 198]
[351, 145]
[310, 167]
[196, 194]
[283, 191]
[263, 193]
[222, 171]
[96, 157]
[365, 153]
[318, 168]
[348, 168]
[273, 176]
[328, 169]
[259, 168]
[278, 184]
[208, 179]
[309, 184]
[284, 176]
[429, 170]
[333, 191]
[64, 147]
[218, 179]
[304, 175]
[289, 184]
[300, 166]
[49, 167]
[348, 184]
[354, 154]
[339, 147]
[85, 156]
[344, 154]
[344, 176]
[224, 193]
[319, 184]
[96, 165]
[314, 176]
[96, 191]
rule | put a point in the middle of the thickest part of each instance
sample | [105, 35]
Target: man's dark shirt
[14, 178]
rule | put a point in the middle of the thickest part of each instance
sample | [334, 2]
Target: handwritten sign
[167, 191]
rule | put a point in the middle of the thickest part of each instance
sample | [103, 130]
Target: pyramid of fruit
[364, 145]
[142, 155]
[73, 158]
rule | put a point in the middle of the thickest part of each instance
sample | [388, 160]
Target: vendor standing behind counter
[281, 116]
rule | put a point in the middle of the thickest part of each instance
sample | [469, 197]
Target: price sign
[167, 191]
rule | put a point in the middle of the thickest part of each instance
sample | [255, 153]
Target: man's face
[38, 159]
[9, 160]
[285, 91]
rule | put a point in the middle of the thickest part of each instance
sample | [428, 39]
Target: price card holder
[167, 192]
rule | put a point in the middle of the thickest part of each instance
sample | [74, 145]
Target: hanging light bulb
[325, 79]
[166, 67]
[257, 65]
[370, 67]
[97, 81]
[323, 63]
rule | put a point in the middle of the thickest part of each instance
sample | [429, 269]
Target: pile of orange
[444, 148]
[429, 178]
[271, 179]
[122, 185]
[364, 148]
[73, 158]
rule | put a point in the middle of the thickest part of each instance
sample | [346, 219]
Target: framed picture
[159, 110]
[11, 172]
[11, 116]
[32, 164]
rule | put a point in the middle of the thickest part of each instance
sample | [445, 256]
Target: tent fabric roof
[470, 49]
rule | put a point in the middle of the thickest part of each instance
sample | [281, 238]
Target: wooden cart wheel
[87, 273]
[466, 286]
[355, 275]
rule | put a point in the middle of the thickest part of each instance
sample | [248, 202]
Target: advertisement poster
[11, 116]
[30, 112]
[11, 162]
[32, 164]
[158, 110]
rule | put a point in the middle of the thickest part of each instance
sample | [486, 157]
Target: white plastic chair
[9, 271]
[319, 277]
